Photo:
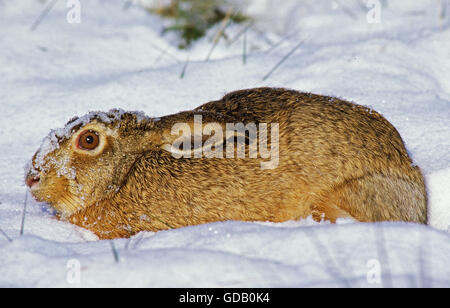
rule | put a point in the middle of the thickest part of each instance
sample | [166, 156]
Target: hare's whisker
[5, 235]
[114, 251]
[22, 227]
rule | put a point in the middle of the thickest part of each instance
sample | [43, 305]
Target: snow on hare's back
[119, 173]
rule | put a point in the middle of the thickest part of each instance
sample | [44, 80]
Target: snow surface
[116, 58]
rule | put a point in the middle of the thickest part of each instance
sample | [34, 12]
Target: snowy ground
[116, 58]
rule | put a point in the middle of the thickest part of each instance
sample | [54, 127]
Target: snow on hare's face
[87, 161]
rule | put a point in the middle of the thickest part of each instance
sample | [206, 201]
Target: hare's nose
[32, 180]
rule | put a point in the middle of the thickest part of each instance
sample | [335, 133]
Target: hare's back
[327, 130]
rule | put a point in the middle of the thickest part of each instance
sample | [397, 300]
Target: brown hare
[119, 173]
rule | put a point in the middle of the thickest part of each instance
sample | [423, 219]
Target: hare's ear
[187, 134]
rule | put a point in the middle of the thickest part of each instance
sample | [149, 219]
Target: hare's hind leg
[374, 197]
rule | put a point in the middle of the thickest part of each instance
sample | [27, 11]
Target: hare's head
[89, 160]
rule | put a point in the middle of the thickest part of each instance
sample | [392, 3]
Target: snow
[116, 59]
[235, 254]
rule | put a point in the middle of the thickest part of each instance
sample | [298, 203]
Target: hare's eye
[89, 140]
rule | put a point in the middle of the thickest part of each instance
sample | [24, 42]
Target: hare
[120, 173]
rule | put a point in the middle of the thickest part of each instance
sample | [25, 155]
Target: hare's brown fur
[336, 160]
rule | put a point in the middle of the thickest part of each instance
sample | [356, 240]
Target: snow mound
[236, 254]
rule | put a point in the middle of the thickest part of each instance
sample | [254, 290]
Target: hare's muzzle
[32, 174]
[32, 180]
